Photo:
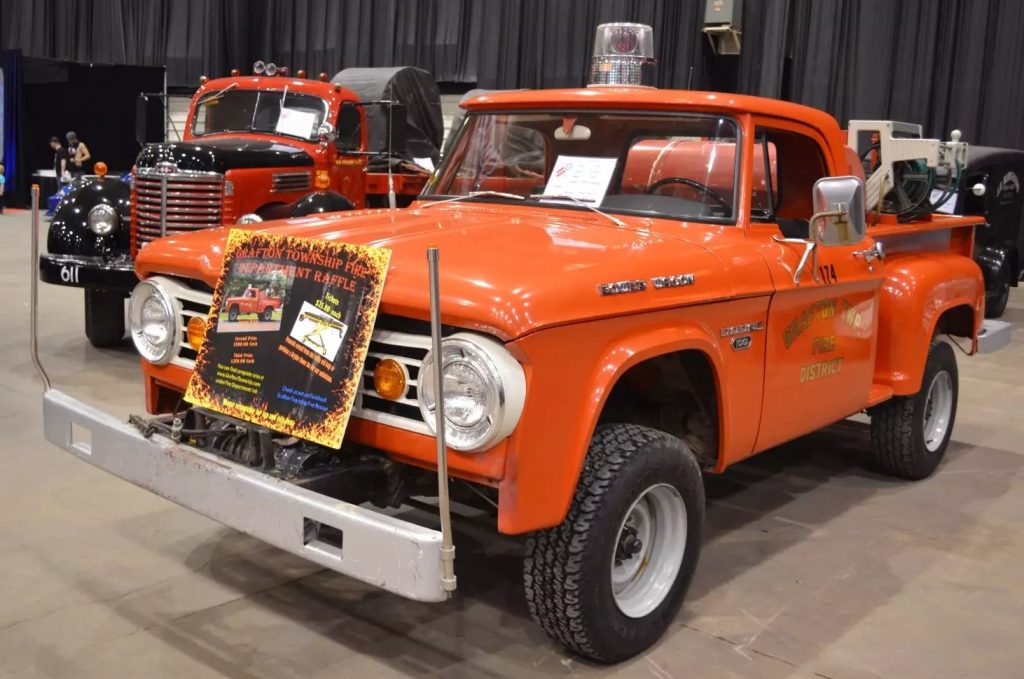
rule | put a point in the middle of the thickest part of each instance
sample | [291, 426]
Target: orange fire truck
[637, 287]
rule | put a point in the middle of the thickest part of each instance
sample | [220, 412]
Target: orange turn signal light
[389, 379]
[196, 331]
[323, 179]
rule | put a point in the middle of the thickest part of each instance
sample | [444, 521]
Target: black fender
[69, 232]
[314, 203]
[992, 261]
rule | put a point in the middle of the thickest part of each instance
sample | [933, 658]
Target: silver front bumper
[386, 552]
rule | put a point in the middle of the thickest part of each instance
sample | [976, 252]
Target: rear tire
[996, 299]
[233, 313]
[910, 434]
[104, 317]
[608, 581]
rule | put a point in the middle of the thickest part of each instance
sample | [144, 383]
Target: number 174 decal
[827, 272]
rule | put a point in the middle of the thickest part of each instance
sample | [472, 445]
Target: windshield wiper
[582, 203]
[477, 194]
[216, 95]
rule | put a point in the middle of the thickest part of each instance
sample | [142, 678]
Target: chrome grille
[407, 348]
[291, 181]
[166, 204]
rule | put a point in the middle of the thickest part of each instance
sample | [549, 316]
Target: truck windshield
[268, 111]
[682, 166]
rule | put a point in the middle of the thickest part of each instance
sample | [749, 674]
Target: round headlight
[153, 321]
[102, 219]
[484, 391]
[249, 218]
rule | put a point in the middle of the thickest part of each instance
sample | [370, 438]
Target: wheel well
[675, 393]
[958, 321]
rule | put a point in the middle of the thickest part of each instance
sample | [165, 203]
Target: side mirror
[350, 127]
[839, 212]
[396, 128]
[141, 113]
[326, 133]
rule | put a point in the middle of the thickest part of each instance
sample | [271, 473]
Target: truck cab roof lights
[623, 55]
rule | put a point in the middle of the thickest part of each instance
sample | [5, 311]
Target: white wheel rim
[643, 575]
[938, 411]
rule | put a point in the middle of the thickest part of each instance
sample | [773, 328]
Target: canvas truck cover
[412, 87]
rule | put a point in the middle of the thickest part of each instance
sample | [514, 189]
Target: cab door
[822, 319]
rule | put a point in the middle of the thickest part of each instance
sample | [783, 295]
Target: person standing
[78, 154]
[60, 160]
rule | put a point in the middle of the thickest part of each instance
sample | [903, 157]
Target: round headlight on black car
[484, 391]
[153, 321]
[102, 219]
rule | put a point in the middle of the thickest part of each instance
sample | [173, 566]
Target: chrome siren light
[623, 55]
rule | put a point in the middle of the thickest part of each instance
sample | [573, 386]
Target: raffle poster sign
[288, 333]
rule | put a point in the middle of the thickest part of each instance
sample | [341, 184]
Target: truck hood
[223, 154]
[504, 271]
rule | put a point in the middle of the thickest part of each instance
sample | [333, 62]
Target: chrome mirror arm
[810, 252]
[811, 245]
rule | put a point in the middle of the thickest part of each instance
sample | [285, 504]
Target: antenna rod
[392, 202]
[443, 502]
[34, 291]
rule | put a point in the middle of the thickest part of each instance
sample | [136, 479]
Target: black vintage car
[992, 189]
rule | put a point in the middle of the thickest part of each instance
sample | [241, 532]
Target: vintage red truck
[254, 147]
[637, 287]
[252, 301]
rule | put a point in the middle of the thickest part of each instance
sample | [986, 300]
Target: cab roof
[648, 98]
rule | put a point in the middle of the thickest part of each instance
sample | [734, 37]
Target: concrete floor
[814, 566]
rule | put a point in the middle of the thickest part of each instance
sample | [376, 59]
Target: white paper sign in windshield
[296, 123]
[581, 177]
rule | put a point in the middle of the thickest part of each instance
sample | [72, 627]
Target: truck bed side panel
[919, 287]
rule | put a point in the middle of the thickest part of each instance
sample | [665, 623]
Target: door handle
[871, 254]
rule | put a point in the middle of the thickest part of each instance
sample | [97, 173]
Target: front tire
[104, 317]
[910, 434]
[608, 581]
[999, 296]
[268, 313]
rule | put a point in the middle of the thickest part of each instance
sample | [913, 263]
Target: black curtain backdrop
[943, 63]
[44, 98]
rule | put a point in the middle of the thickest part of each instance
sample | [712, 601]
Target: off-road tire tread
[893, 426]
[554, 556]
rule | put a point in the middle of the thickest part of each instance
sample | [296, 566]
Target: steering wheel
[706, 190]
